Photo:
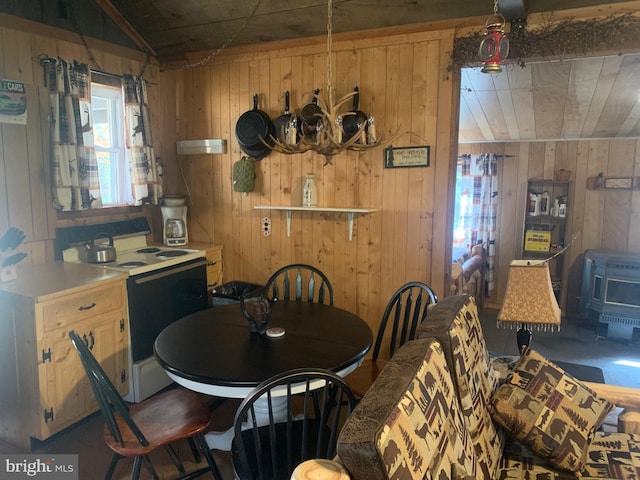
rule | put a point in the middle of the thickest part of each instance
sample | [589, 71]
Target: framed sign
[619, 183]
[406, 157]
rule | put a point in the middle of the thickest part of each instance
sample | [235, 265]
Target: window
[461, 219]
[107, 109]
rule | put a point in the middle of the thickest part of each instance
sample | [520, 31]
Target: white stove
[164, 284]
[135, 256]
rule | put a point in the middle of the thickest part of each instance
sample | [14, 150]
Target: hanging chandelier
[328, 136]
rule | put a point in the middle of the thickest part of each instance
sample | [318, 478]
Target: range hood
[207, 146]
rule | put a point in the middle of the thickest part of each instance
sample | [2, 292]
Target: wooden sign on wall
[406, 157]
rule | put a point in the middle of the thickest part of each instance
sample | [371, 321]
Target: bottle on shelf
[545, 203]
[562, 210]
[533, 209]
[310, 192]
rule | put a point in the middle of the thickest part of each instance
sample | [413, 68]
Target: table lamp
[529, 300]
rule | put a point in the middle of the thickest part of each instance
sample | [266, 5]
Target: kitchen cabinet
[546, 229]
[213, 254]
[45, 388]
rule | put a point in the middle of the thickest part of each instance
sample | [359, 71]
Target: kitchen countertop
[43, 282]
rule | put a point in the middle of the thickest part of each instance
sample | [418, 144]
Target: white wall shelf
[349, 211]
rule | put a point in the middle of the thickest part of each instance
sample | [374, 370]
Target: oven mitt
[244, 175]
[11, 239]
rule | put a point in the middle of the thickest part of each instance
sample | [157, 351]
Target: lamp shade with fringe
[529, 300]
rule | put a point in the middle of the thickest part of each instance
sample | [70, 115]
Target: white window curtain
[478, 215]
[145, 175]
[76, 184]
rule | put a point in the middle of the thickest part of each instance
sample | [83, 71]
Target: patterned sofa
[438, 411]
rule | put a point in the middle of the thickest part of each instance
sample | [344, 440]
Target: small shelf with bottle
[545, 228]
[547, 199]
[348, 210]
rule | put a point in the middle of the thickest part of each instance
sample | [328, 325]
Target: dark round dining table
[213, 351]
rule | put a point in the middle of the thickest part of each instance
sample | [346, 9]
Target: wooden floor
[576, 342]
[86, 440]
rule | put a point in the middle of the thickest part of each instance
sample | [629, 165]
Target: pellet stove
[610, 293]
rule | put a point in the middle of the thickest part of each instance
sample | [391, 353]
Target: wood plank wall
[25, 183]
[404, 83]
[601, 219]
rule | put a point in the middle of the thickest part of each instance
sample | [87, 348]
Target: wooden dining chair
[300, 282]
[290, 418]
[406, 309]
[139, 429]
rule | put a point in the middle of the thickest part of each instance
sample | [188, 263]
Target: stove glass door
[623, 292]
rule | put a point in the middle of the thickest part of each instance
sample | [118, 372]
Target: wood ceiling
[175, 28]
[571, 99]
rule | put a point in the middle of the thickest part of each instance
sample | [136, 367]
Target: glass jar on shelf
[310, 192]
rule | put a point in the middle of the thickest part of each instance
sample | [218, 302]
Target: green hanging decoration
[244, 175]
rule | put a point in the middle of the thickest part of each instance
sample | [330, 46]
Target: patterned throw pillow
[549, 411]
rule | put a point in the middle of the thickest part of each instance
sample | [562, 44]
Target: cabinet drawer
[214, 256]
[90, 303]
[214, 275]
[214, 266]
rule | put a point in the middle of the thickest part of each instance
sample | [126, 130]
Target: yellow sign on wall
[537, 241]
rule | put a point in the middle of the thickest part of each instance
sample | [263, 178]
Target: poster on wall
[13, 102]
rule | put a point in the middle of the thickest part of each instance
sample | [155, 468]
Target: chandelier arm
[345, 99]
[278, 146]
[354, 138]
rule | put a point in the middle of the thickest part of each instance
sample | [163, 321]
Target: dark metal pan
[257, 153]
[311, 115]
[281, 124]
[253, 128]
[354, 121]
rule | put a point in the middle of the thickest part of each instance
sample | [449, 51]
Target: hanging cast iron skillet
[311, 115]
[256, 153]
[352, 121]
[280, 123]
[251, 128]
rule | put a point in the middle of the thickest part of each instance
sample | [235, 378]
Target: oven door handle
[171, 271]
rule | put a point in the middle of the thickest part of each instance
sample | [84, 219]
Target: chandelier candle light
[328, 138]
[529, 300]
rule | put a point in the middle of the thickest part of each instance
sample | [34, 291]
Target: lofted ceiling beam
[512, 9]
[515, 12]
[125, 26]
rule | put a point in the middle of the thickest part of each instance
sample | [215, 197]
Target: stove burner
[171, 253]
[131, 264]
[148, 250]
